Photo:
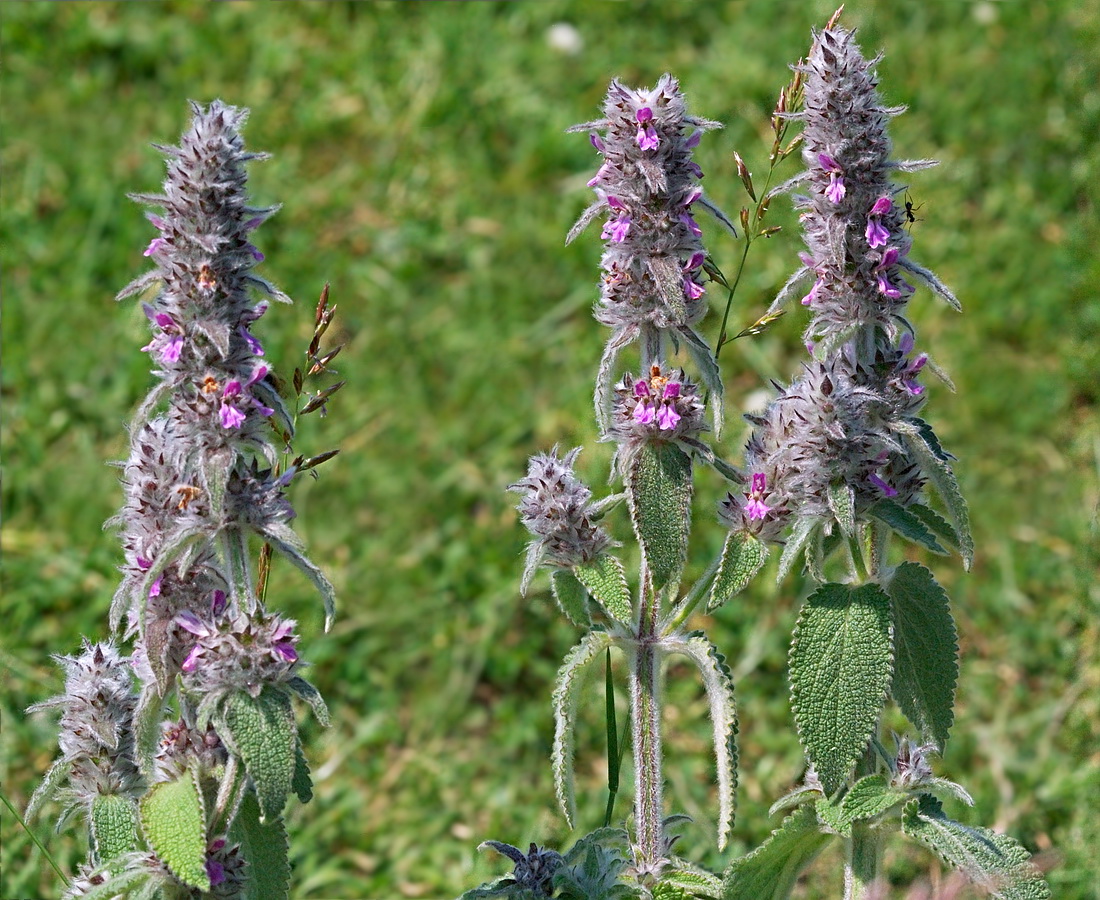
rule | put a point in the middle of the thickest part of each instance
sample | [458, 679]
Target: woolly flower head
[665, 406]
[241, 654]
[834, 424]
[648, 187]
[182, 746]
[96, 735]
[857, 245]
[556, 509]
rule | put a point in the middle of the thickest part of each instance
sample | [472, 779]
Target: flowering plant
[181, 754]
[838, 465]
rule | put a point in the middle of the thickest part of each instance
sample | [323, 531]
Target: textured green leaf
[772, 869]
[843, 504]
[659, 490]
[566, 694]
[301, 783]
[49, 785]
[993, 861]
[264, 846]
[718, 683]
[605, 580]
[840, 667]
[572, 597]
[147, 721]
[867, 798]
[697, 882]
[907, 524]
[936, 468]
[937, 524]
[174, 822]
[262, 732]
[113, 824]
[926, 658]
[312, 696]
[742, 557]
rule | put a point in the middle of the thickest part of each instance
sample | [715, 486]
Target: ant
[910, 209]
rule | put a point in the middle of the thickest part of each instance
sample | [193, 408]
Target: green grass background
[419, 152]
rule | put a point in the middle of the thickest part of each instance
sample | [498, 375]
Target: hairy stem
[645, 709]
[863, 850]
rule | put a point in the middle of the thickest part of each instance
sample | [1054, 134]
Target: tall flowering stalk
[202, 751]
[652, 294]
[839, 463]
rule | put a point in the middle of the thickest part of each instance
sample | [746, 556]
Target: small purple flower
[170, 352]
[256, 254]
[836, 188]
[876, 234]
[691, 225]
[231, 417]
[601, 173]
[254, 345]
[647, 135]
[756, 508]
[155, 245]
[815, 291]
[597, 142]
[692, 289]
[882, 485]
[694, 194]
[616, 230]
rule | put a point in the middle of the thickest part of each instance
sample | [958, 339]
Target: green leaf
[993, 861]
[606, 581]
[659, 489]
[907, 524]
[312, 696]
[174, 822]
[113, 826]
[935, 467]
[264, 846]
[772, 869]
[571, 596]
[718, 683]
[283, 539]
[742, 557]
[566, 694]
[301, 783]
[262, 732]
[146, 726]
[937, 524]
[840, 667]
[926, 657]
[867, 798]
[49, 785]
[122, 884]
[694, 881]
[843, 504]
[800, 534]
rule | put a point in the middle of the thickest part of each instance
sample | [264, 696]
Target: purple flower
[836, 189]
[256, 254]
[601, 172]
[882, 485]
[876, 234]
[814, 292]
[254, 345]
[597, 142]
[154, 245]
[616, 230]
[756, 508]
[170, 352]
[693, 290]
[647, 135]
[691, 225]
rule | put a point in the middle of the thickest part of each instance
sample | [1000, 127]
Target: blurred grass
[418, 150]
